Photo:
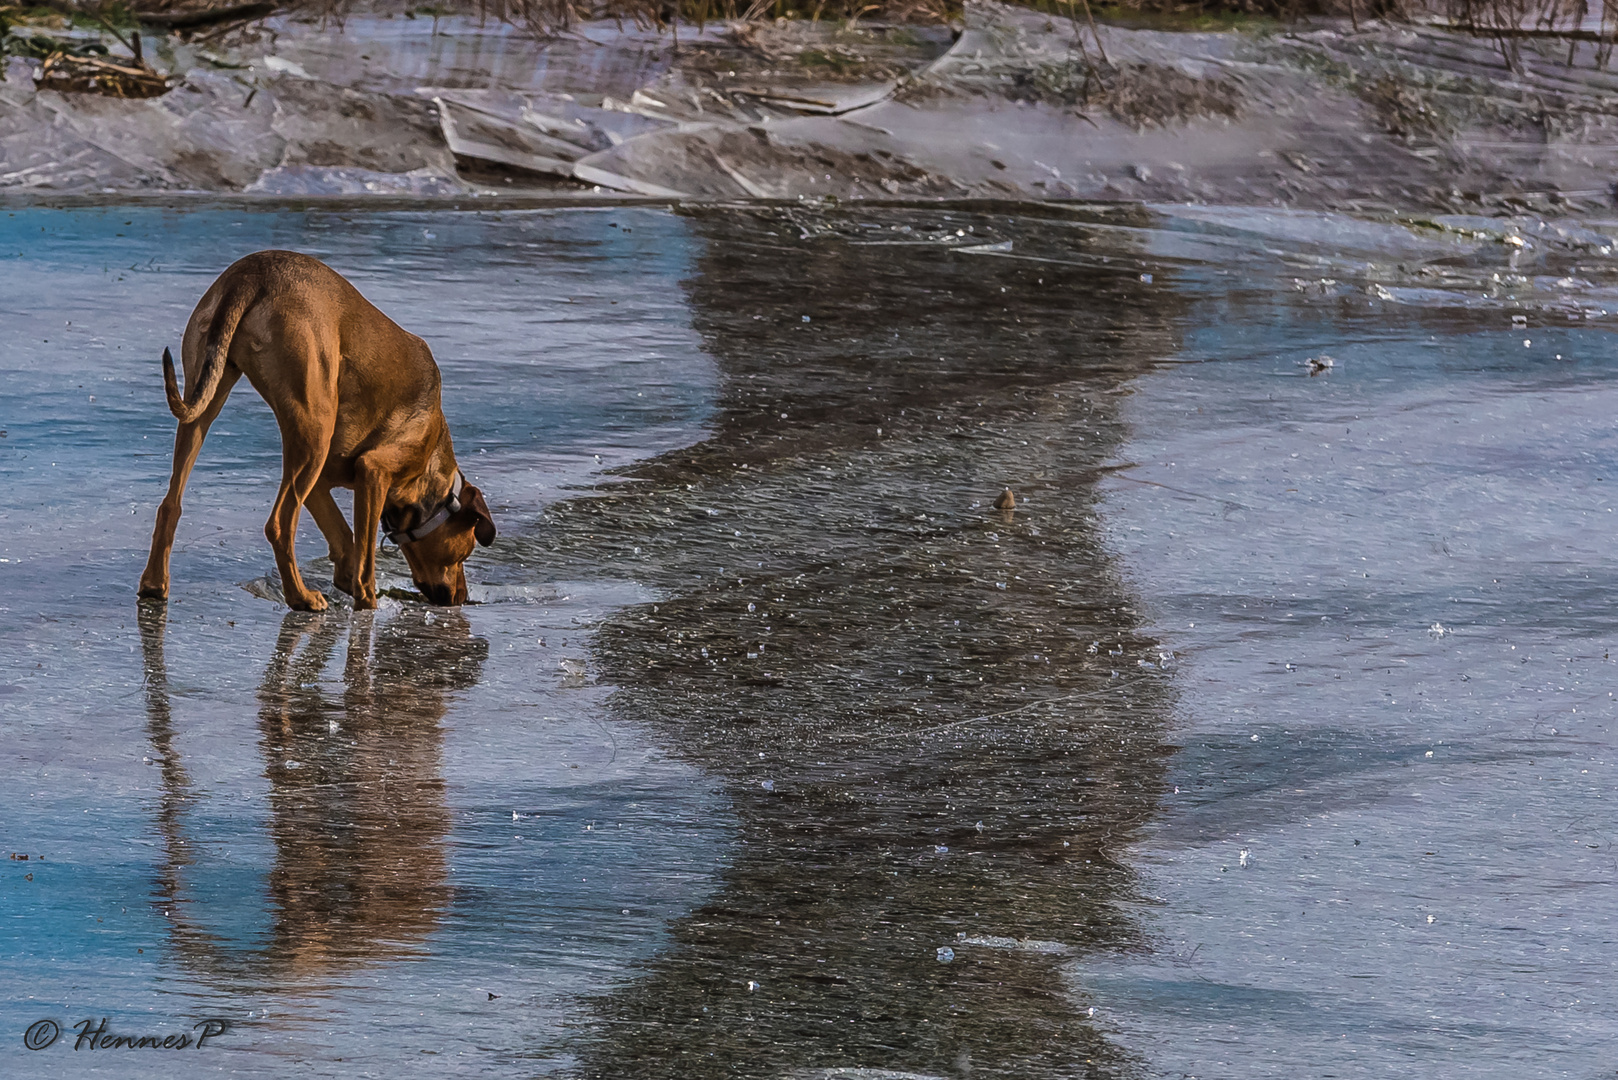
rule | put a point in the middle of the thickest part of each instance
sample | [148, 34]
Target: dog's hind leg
[339, 540]
[304, 440]
[154, 581]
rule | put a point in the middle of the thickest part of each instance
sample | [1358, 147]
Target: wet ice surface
[775, 750]
[1390, 590]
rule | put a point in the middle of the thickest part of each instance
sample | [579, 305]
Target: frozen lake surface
[1270, 735]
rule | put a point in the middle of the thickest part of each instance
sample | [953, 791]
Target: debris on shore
[70, 74]
[73, 60]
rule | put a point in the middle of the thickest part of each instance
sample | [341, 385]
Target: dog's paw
[309, 602]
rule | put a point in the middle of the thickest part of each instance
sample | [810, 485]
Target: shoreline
[1013, 106]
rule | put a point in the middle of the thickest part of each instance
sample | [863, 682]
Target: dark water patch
[936, 720]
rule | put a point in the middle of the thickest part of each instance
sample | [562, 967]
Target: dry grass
[543, 18]
[549, 17]
[1508, 22]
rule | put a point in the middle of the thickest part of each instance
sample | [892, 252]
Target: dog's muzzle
[440, 595]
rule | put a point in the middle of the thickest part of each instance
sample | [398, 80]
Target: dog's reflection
[357, 809]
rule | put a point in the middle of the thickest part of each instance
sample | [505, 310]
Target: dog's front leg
[339, 541]
[370, 491]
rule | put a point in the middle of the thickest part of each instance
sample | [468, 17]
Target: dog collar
[446, 510]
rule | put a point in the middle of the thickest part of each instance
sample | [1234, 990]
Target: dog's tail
[215, 349]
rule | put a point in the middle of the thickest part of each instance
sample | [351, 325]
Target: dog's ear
[482, 523]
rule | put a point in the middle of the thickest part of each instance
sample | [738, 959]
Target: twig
[1100, 48]
[125, 42]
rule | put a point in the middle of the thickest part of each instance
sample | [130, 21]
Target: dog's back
[282, 316]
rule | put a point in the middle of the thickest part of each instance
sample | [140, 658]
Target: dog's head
[437, 559]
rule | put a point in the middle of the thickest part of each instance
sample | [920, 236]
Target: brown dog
[357, 402]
